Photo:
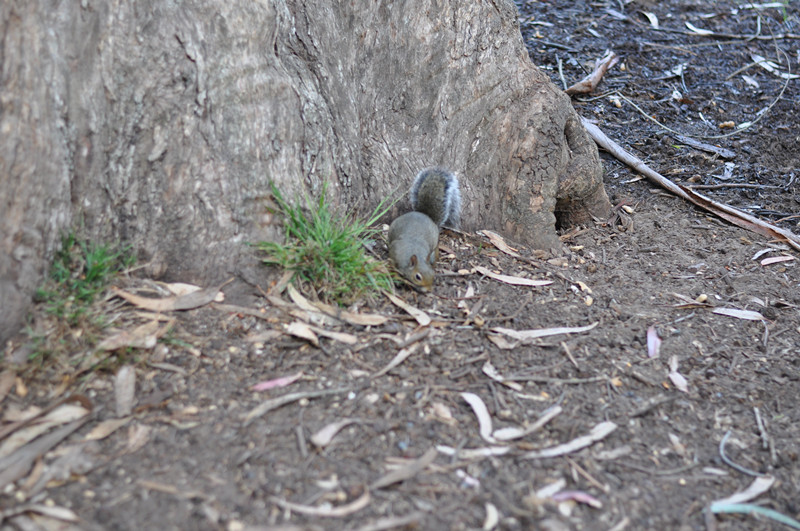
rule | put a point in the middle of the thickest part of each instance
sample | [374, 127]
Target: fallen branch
[729, 213]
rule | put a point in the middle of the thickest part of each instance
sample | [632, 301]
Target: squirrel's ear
[413, 260]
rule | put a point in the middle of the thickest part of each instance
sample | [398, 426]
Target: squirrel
[414, 236]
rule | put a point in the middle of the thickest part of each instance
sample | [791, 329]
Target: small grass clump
[71, 321]
[327, 251]
[79, 272]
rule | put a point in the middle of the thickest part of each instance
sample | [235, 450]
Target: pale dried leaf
[335, 312]
[325, 512]
[652, 18]
[677, 379]
[653, 342]
[181, 288]
[406, 472]
[551, 489]
[776, 260]
[759, 486]
[515, 281]
[323, 437]
[526, 335]
[399, 358]
[60, 415]
[473, 453]
[599, 432]
[500, 243]
[106, 428]
[138, 436]
[490, 371]
[747, 315]
[273, 403]
[492, 517]
[577, 496]
[509, 434]
[442, 412]
[421, 317]
[125, 390]
[347, 339]
[303, 331]
[188, 301]
[51, 511]
[697, 30]
[502, 343]
[143, 336]
[482, 413]
[283, 381]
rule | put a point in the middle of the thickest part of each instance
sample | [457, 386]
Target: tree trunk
[161, 124]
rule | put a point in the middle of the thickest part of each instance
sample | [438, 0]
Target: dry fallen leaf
[303, 331]
[758, 487]
[125, 390]
[473, 453]
[283, 381]
[482, 413]
[323, 437]
[421, 317]
[490, 371]
[323, 512]
[106, 428]
[406, 472]
[526, 335]
[515, 281]
[747, 315]
[677, 379]
[653, 342]
[599, 432]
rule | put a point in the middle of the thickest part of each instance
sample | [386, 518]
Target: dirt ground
[197, 454]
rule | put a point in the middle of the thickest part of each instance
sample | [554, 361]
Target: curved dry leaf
[577, 496]
[323, 437]
[473, 453]
[492, 517]
[421, 317]
[125, 390]
[326, 512]
[776, 260]
[677, 379]
[759, 486]
[106, 428]
[599, 432]
[747, 315]
[524, 335]
[283, 381]
[303, 331]
[482, 413]
[500, 243]
[490, 371]
[407, 471]
[698, 31]
[514, 281]
[653, 342]
[651, 17]
[399, 358]
[509, 434]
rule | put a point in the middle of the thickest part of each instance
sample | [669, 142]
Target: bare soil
[188, 460]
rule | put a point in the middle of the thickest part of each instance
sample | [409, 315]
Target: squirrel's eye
[418, 277]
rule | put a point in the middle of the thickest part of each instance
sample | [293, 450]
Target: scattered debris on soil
[645, 379]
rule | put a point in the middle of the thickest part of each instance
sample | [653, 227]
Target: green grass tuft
[79, 272]
[327, 251]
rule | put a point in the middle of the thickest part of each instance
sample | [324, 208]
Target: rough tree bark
[160, 123]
